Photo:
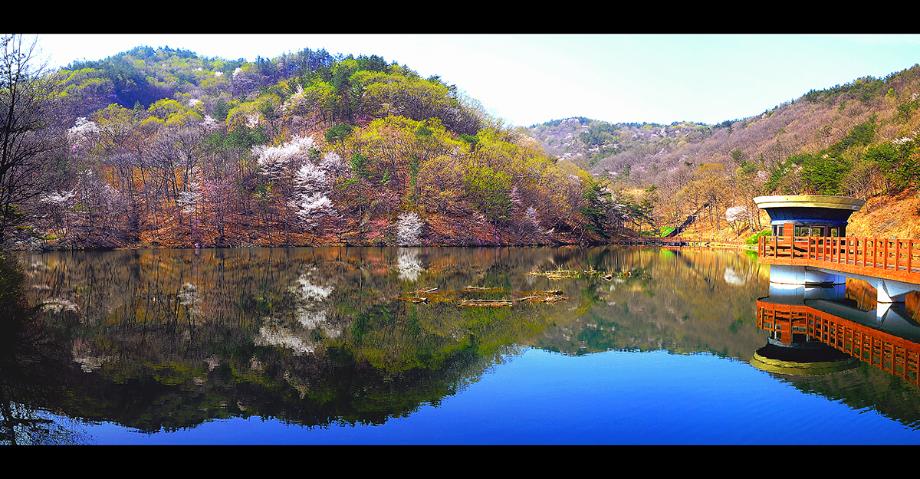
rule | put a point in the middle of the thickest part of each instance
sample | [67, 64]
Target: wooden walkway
[895, 259]
[892, 354]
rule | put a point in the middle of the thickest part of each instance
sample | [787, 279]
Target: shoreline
[651, 243]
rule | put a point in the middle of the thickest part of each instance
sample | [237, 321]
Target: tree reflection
[162, 340]
[27, 367]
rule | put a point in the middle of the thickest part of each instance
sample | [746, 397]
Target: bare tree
[27, 141]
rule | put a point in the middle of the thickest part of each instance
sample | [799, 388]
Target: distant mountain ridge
[817, 119]
[858, 139]
[590, 143]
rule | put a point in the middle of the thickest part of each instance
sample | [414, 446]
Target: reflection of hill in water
[683, 304]
[170, 339]
[867, 388]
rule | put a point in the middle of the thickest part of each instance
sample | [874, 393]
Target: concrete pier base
[802, 275]
[890, 291]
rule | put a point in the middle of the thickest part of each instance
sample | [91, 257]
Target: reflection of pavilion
[818, 330]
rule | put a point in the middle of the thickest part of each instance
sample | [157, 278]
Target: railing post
[774, 246]
[897, 255]
[910, 253]
[865, 242]
[885, 260]
[875, 252]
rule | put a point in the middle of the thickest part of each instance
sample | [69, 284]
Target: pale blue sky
[528, 79]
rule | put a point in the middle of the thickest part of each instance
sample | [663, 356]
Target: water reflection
[822, 330]
[165, 340]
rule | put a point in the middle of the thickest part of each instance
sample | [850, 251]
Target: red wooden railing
[881, 257]
[890, 353]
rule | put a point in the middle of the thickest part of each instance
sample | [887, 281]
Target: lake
[568, 345]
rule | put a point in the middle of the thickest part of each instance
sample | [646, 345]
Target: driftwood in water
[548, 296]
[573, 274]
[482, 289]
[557, 274]
[551, 296]
[486, 303]
[414, 299]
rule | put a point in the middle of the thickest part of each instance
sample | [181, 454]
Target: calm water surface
[320, 346]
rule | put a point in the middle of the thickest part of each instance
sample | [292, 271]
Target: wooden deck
[895, 259]
[890, 353]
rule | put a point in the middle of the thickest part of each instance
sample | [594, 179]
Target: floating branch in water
[574, 274]
[482, 289]
[486, 303]
[454, 297]
[550, 296]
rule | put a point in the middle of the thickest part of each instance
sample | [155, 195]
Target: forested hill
[858, 139]
[168, 148]
[600, 146]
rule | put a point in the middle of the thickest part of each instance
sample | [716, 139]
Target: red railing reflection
[890, 353]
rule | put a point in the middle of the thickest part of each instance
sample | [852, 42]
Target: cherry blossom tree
[409, 229]
[273, 160]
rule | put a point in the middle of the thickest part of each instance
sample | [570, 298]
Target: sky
[529, 79]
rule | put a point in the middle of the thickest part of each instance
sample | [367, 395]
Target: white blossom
[294, 101]
[272, 158]
[58, 197]
[57, 305]
[332, 163]
[307, 291]
[309, 207]
[193, 101]
[408, 229]
[516, 196]
[209, 122]
[218, 74]
[187, 200]
[82, 355]
[409, 264]
[82, 132]
[531, 215]
[736, 213]
[311, 319]
[312, 185]
[273, 334]
[902, 140]
[188, 295]
[237, 71]
[310, 176]
[732, 278]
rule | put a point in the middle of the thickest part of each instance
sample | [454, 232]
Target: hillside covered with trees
[163, 147]
[859, 139]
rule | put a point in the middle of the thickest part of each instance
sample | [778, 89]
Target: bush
[490, 191]
[823, 174]
[756, 236]
[338, 132]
